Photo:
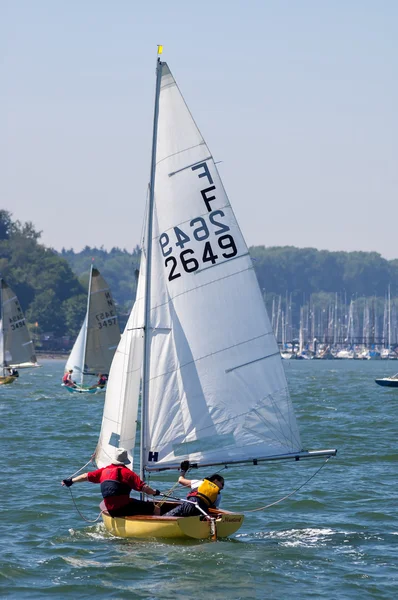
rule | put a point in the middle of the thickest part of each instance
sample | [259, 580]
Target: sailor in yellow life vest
[204, 493]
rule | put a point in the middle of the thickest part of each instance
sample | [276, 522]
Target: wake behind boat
[16, 346]
[98, 338]
[198, 340]
[83, 389]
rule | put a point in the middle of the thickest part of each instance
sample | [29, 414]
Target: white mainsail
[213, 385]
[217, 390]
[99, 335]
[16, 346]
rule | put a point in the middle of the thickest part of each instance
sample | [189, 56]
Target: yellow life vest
[208, 491]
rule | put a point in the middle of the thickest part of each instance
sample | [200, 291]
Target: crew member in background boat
[117, 481]
[67, 379]
[204, 492]
[13, 372]
[101, 383]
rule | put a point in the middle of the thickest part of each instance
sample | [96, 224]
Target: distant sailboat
[16, 346]
[98, 338]
[198, 342]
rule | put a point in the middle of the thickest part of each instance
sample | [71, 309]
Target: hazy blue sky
[297, 98]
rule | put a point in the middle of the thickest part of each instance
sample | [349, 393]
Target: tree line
[52, 286]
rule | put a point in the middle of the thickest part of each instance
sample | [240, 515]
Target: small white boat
[16, 346]
[388, 381]
[98, 338]
[345, 354]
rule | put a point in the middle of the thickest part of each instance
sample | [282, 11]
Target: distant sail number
[17, 321]
[105, 319]
[17, 325]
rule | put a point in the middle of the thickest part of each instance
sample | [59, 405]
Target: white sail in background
[119, 420]
[99, 335]
[217, 391]
[16, 346]
[103, 333]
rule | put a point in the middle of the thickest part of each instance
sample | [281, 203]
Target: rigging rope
[160, 503]
[82, 516]
[73, 500]
[291, 493]
[83, 467]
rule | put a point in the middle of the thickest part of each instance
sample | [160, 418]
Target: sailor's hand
[68, 482]
[184, 466]
[157, 493]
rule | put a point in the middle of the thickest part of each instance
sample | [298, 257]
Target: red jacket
[116, 476]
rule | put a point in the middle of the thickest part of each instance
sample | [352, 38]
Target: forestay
[16, 346]
[217, 391]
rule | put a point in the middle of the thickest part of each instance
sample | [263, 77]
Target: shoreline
[52, 355]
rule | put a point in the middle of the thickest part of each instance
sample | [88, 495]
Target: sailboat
[198, 344]
[98, 338]
[16, 346]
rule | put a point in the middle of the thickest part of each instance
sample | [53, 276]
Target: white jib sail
[76, 357]
[18, 346]
[119, 421]
[217, 388]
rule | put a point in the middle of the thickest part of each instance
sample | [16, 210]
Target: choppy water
[336, 538]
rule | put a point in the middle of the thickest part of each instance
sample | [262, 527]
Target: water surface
[335, 538]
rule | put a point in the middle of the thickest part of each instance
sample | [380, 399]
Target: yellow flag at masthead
[160, 49]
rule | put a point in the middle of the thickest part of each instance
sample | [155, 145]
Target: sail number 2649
[224, 247]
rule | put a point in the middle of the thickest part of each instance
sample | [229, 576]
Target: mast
[335, 321]
[389, 317]
[147, 309]
[301, 331]
[86, 327]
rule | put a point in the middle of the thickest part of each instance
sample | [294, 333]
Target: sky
[297, 100]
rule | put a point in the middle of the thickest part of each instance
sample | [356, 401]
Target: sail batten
[188, 166]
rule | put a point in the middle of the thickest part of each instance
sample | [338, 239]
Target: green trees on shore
[305, 271]
[52, 286]
[49, 292]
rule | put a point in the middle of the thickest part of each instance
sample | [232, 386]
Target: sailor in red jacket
[116, 483]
